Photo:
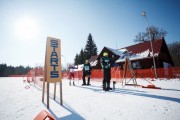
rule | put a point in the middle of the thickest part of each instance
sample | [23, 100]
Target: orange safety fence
[117, 73]
[36, 75]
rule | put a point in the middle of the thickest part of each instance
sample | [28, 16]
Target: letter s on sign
[54, 74]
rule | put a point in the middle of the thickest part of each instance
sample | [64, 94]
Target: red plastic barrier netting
[36, 75]
[173, 72]
[117, 73]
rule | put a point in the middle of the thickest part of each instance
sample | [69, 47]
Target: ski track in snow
[91, 102]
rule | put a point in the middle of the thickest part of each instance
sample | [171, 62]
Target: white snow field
[90, 102]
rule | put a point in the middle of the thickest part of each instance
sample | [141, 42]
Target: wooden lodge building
[140, 55]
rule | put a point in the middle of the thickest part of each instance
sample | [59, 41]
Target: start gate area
[116, 74]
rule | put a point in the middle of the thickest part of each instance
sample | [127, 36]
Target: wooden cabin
[140, 55]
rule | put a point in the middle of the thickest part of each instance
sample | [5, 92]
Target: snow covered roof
[94, 63]
[141, 47]
[138, 51]
[93, 60]
[134, 52]
[133, 56]
[124, 53]
[118, 52]
[143, 50]
[80, 67]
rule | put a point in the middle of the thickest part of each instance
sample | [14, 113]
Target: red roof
[140, 51]
[141, 47]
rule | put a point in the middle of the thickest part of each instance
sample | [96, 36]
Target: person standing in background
[106, 66]
[86, 73]
[71, 73]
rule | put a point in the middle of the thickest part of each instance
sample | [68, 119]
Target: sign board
[52, 67]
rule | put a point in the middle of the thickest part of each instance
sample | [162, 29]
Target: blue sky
[25, 25]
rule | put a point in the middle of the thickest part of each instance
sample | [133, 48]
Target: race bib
[86, 68]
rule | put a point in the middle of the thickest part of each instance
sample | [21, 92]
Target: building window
[136, 65]
[167, 65]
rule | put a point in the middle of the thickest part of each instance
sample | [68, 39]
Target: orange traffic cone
[44, 115]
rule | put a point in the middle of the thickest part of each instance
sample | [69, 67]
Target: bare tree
[151, 32]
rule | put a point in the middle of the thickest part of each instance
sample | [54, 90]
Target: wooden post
[126, 67]
[125, 72]
[61, 99]
[43, 90]
[47, 95]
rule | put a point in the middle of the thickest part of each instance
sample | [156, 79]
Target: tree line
[5, 70]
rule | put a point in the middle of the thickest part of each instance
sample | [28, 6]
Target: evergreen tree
[76, 59]
[3, 67]
[90, 48]
[175, 53]
[89, 51]
[82, 57]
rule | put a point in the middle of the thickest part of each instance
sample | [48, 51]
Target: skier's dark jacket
[107, 63]
[87, 69]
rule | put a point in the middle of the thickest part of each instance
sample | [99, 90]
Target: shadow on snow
[73, 116]
[134, 92]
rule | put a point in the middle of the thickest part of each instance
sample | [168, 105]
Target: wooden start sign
[52, 61]
[52, 67]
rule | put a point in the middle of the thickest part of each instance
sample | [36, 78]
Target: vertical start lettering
[54, 59]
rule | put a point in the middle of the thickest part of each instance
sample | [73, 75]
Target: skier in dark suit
[106, 66]
[86, 72]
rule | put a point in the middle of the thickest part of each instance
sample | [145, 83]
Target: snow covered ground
[91, 102]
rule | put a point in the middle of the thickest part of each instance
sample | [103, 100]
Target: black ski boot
[88, 81]
[104, 86]
[83, 84]
[73, 83]
[108, 87]
[70, 83]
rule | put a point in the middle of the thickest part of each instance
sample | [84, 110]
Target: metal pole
[155, 72]
[65, 61]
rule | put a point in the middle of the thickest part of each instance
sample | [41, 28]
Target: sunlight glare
[26, 29]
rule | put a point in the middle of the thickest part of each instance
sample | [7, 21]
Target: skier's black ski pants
[107, 76]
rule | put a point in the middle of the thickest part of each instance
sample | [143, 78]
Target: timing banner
[52, 67]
